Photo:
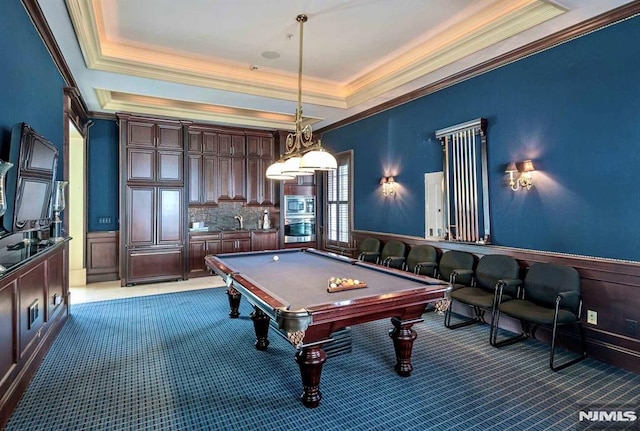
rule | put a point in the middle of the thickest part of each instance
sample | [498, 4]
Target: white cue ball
[275, 258]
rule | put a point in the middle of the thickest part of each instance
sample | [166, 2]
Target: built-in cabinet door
[169, 136]
[267, 240]
[195, 178]
[170, 215]
[141, 164]
[209, 179]
[169, 166]
[141, 134]
[141, 205]
[232, 178]
[197, 252]
[254, 192]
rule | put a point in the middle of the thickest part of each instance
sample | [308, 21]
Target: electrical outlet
[592, 317]
[630, 327]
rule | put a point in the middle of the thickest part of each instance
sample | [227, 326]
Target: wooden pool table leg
[261, 326]
[310, 359]
[403, 337]
[234, 302]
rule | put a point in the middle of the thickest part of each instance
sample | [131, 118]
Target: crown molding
[596, 23]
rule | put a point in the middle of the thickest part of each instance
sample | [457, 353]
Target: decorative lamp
[525, 181]
[299, 144]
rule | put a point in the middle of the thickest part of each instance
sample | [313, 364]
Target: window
[339, 203]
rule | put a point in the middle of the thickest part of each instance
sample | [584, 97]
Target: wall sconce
[387, 185]
[525, 181]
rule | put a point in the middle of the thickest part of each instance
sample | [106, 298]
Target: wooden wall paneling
[102, 256]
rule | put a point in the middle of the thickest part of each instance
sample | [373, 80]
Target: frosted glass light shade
[274, 172]
[292, 167]
[318, 160]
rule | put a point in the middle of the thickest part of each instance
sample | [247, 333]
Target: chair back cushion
[494, 267]
[369, 244]
[544, 281]
[454, 259]
[392, 248]
[421, 253]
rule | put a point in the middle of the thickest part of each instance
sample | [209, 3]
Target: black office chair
[393, 254]
[422, 259]
[456, 267]
[551, 298]
[369, 250]
[491, 270]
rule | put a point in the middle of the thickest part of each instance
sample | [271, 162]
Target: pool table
[290, 287]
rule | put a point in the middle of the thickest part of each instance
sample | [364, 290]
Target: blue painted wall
[102, 165]
[574, 110]
[32, 87]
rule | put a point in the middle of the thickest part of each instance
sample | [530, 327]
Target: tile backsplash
[222, 216]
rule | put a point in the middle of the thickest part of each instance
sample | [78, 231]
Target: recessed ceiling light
[270, 55]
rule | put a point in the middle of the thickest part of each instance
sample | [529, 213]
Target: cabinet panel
[141, 134]
[55, 284]
[154, 264]
[140, 164]
[210, 142]
[197, 252]
[169, 136]
[213, 247]
[31, 308]
[8, 333]
[170, 215]
[195, 178]
[195, 142]
[238, 178]
[210, 179]
[141, 215]
[267, 240]
[170, 166]
[254, 169]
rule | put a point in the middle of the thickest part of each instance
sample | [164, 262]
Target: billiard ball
[275, 258]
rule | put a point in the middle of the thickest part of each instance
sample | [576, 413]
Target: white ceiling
[205, 59]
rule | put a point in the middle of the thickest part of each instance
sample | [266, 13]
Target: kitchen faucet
[241, 220]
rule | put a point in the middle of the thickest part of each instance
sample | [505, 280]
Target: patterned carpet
[177, 362]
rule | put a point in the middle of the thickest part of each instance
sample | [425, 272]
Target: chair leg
[579, 358]
[493, 334]
[464, 322]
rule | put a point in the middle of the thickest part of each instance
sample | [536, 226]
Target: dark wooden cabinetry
[231, 167]
[203, 166]
[201, 245]
[260, 154]
[152, 203]
[235, 241]
[33, 308]
[264, 240]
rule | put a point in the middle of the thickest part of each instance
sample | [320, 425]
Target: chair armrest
[511, 283]
[394, 262]
[364, 254]
[465, 274]
[428, 265]
[566, 295]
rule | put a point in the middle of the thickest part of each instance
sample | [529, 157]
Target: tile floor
[107, 290]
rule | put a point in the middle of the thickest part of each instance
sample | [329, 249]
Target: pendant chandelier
[301, 155]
